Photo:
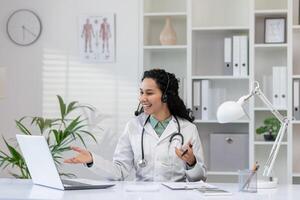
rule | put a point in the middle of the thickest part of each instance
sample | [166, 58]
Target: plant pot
[269, 137]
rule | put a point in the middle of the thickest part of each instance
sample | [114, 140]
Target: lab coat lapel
[170, 129]
[149, 130]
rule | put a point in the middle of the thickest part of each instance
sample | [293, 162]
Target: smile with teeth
[146, 106]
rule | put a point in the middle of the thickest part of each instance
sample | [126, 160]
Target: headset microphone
[137, 112]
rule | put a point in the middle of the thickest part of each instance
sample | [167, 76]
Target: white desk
[24, 189]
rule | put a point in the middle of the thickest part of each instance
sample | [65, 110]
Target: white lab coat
[162, 161]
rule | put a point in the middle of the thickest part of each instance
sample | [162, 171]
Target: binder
[276, 87]
[283, 87]
[236, 56]
[197, 99]
[296, 96]
[243, 55]
[205, 99]
[228, 56]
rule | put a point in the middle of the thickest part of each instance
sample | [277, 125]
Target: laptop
[42, 169]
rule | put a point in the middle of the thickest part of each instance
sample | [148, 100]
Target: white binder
[243, 55]
[205, 99]
[283, 87]
[228, 56]
[236, 56]
[296, 107]
[276, 87]
[197, 99]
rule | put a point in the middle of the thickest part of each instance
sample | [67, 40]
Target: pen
[185, 151]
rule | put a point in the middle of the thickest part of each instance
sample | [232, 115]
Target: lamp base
[264, 184]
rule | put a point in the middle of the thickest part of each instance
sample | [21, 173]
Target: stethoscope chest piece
[142, 163]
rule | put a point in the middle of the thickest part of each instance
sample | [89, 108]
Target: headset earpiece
[164, 98]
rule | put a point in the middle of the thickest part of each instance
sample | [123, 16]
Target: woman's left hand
[186, 154]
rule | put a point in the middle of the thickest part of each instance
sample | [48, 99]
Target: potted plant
[59, 132]
[271, 127]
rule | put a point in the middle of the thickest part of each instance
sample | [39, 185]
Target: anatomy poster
[97, 38]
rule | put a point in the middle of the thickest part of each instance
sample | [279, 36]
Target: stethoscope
[142, 163]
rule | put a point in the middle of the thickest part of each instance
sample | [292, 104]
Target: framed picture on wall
[96, 35]
[275, 30]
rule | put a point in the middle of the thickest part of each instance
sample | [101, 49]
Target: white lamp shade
[229, 111]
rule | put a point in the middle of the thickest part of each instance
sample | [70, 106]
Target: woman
[161, 143]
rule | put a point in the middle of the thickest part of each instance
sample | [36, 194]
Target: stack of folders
[296, 98]
[206, 99]
[280, 87]
[236, 56]
[202, 187]
[201, 99]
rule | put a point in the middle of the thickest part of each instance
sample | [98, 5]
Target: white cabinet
[201, 27]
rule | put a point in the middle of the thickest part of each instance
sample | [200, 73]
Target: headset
[164, 98]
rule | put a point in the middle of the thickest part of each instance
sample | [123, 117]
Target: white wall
[35, 74]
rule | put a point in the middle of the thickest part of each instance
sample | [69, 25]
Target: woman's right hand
[82, 157]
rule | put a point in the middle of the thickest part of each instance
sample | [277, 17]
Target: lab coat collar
[148, 128]
[170, 129]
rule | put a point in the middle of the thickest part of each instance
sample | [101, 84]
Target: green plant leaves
[271, 125]
[59, 133]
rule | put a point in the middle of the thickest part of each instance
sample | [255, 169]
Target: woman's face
[150, 97]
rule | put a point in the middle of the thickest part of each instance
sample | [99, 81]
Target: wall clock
[24, 27]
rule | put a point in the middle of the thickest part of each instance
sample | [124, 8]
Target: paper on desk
[187, 185]
[142, 188]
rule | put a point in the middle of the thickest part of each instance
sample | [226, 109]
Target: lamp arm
[275, 148]
[284, 124]
[257, 91]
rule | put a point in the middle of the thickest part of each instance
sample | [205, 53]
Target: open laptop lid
[39, 161]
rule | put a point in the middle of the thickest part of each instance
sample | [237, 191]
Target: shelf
[295, 121]
[219, 77]
[220, 28]
[164, 47]
[165, 14]
[296, 76]
[271, 12]
[296, 27]
[222, 173]
[215, 121]
[296, 174]
[267, 109]
[284, 45]
[267, 143]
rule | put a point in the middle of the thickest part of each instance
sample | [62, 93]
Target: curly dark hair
[174, 102]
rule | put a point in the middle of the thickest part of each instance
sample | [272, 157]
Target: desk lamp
[230, 111]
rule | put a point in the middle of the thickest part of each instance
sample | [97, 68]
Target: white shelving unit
[201, 26]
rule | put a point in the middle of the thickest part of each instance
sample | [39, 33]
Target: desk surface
[24, 189]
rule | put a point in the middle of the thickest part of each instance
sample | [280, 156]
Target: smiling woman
[161, 143]
[24, 27]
